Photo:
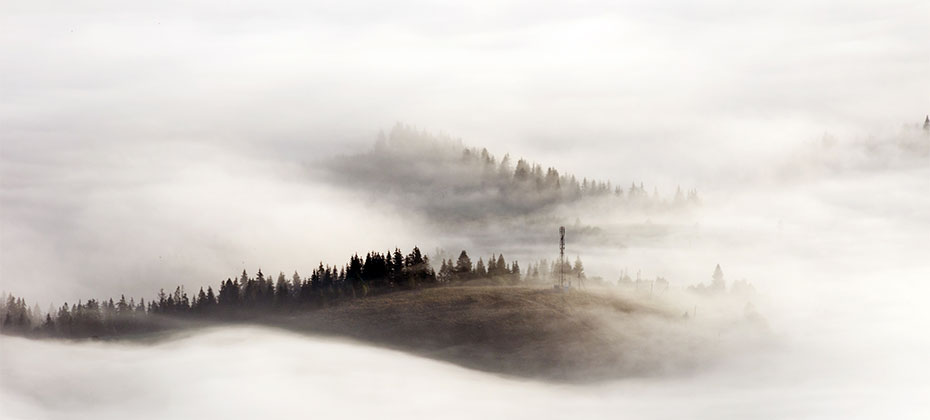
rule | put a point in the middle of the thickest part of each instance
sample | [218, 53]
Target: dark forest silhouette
[245, 297]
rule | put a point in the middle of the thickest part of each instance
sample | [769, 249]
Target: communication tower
[561, 256]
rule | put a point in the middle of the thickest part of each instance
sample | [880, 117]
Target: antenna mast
[561, 255]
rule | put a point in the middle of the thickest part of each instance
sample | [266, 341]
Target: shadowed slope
[526, 332]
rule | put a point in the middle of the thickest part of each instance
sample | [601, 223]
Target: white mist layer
[241, 372]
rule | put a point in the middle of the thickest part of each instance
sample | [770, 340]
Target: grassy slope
[520, 331]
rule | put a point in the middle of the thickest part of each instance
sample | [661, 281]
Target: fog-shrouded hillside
[526, 331]
[450, 182]
[496, 317]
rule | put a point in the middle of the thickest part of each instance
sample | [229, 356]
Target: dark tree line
[245, 297]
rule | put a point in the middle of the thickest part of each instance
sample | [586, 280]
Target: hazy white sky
[524, 73]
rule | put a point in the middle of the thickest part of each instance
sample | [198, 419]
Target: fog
[245, 372]
[145, 146]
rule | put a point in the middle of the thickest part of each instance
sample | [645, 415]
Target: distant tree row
[718, 285]
[245, 296]
[496, 269]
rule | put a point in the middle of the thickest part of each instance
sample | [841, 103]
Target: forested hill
[450, 181]
[247, 297]
[495, 319]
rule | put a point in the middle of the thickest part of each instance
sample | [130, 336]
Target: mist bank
[289, 374]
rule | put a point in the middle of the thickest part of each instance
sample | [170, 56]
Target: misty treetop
[450, 181]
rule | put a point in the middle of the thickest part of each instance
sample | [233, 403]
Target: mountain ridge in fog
[450, 182]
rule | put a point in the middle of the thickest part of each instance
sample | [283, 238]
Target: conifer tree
[282, 290]
[718, 284]
[296, 284]
[480, 270]
[463, 268]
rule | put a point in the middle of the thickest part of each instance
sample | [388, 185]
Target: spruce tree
[463, 269]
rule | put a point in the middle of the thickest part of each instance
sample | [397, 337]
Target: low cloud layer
[247, 372]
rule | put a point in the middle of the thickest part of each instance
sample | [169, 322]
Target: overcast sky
[147, 144]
